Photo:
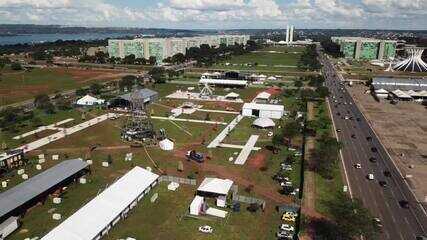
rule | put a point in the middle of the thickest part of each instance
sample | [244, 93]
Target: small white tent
[263, 123]
[88, 100]
[232, 95]
[166, 145]
[196, 205]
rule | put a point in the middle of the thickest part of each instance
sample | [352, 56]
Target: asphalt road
[383, 202]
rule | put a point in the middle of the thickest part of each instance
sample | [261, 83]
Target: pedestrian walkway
[42, 128]
[188, 120]
[226, 145]
[220, 137]
[66, 131]
[217, 111]
[244, 154]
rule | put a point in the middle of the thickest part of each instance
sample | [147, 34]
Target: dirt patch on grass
[87, 75]
[258, 160]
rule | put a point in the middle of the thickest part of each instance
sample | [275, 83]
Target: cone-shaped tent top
[263, 123]
[414, 62]
[166, 145]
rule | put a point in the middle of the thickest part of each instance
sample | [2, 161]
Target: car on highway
[387, 173]
[374, 149]
[358, 165]
[353, 136]
[378, 222]
[373, 159]
[383, 184]
[370, 176]
[338, 130]
[358, 119]
[369, 138]
[404, 204]
[287, 227]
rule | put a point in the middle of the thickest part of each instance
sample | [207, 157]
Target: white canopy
[89, 101]
[263, 95]
[196, 205]
[216, 185]
[166, 145]
[90, 220]
[381, 90]
[263, 123]
[271, 78]
[400, 94]
[232, 95]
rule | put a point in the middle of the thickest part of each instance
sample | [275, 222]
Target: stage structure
[414, 62]
[138, 127]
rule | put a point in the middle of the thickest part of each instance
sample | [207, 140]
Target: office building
[289, 34]
[366, 48]
[162, 48]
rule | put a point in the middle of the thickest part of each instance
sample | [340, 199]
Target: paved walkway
[220, 137]
[188, 120]
[217, 111]
[244, 154]
[226, 145]
[66, 131]
[42, 128]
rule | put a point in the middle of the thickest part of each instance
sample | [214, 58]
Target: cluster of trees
[308, 59]
[350, 220]
[283, 136]
[331, 48]
[102, 58]
[326, 156]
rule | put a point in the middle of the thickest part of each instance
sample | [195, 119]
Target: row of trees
[308, 60]
[331, 48]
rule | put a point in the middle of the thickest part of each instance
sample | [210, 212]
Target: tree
[129, 59]
[290, 130]
[152, 60]
[178, 58]
[157, 73]
[127, 82]
[43, 102]
[326, 156]
[308, 59]
[322, 92]
[16, 66]
[95, 88]
[81, 92]
[277, 141]
[298, 83]
[36, 122]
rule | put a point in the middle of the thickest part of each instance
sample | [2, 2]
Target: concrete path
[220, 137]
[42, 128]
[66, 131]
[226, 145]
[217, 111]
[188, 120]
[244, 154]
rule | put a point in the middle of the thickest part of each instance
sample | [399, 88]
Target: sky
[219, 14]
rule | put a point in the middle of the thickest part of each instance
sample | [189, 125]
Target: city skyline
[219, 14]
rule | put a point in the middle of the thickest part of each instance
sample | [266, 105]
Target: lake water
[39, 38]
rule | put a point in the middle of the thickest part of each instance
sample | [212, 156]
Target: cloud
[220, 13]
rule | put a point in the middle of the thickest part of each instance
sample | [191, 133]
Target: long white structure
[263, 110]
[98, 216]
[289, 34]
[414, 62]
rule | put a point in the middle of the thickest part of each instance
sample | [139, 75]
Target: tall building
[366, 48]
[162, 48]
[289, 34]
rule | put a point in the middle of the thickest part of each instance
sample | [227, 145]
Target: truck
[195, 156]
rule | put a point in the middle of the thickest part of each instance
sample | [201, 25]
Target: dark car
[404, 204]
[338, 114]
[358, 119]
[369, 138]
[195, 156]
[383, 183]
[374, 149]
[373, 159]
[338, 130]
[353, 135]
[387, 173]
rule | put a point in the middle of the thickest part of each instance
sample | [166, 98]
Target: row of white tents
[411, 94]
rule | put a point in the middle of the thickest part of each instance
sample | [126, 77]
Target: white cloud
[219, 13]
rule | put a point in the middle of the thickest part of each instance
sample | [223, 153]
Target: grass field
[22, 85]
[271, 58]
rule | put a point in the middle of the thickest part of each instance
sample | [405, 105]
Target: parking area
[402, 128]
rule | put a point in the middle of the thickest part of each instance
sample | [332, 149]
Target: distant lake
[39, 38]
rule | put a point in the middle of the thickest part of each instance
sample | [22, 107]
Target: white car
[371, 176]
[358, 166]
[205, 229]
[287, 227]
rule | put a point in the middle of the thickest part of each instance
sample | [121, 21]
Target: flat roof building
[360, 48]
[18, 199]
[95, 219]
[404, 84]
[162, 48]
[263, 110]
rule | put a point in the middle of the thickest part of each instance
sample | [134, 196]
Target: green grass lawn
[272, 58]
[165, 219]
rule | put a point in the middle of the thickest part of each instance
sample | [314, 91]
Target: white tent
[216, 185]
[272, 78]
[263, 123]
[89, 101]
[263, 110]
[196, 205]
[381, 91]
[166, 145]
[95, 218]
[232, 95]
[263, 96]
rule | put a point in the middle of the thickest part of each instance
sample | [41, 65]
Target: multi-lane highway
[361, 146]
